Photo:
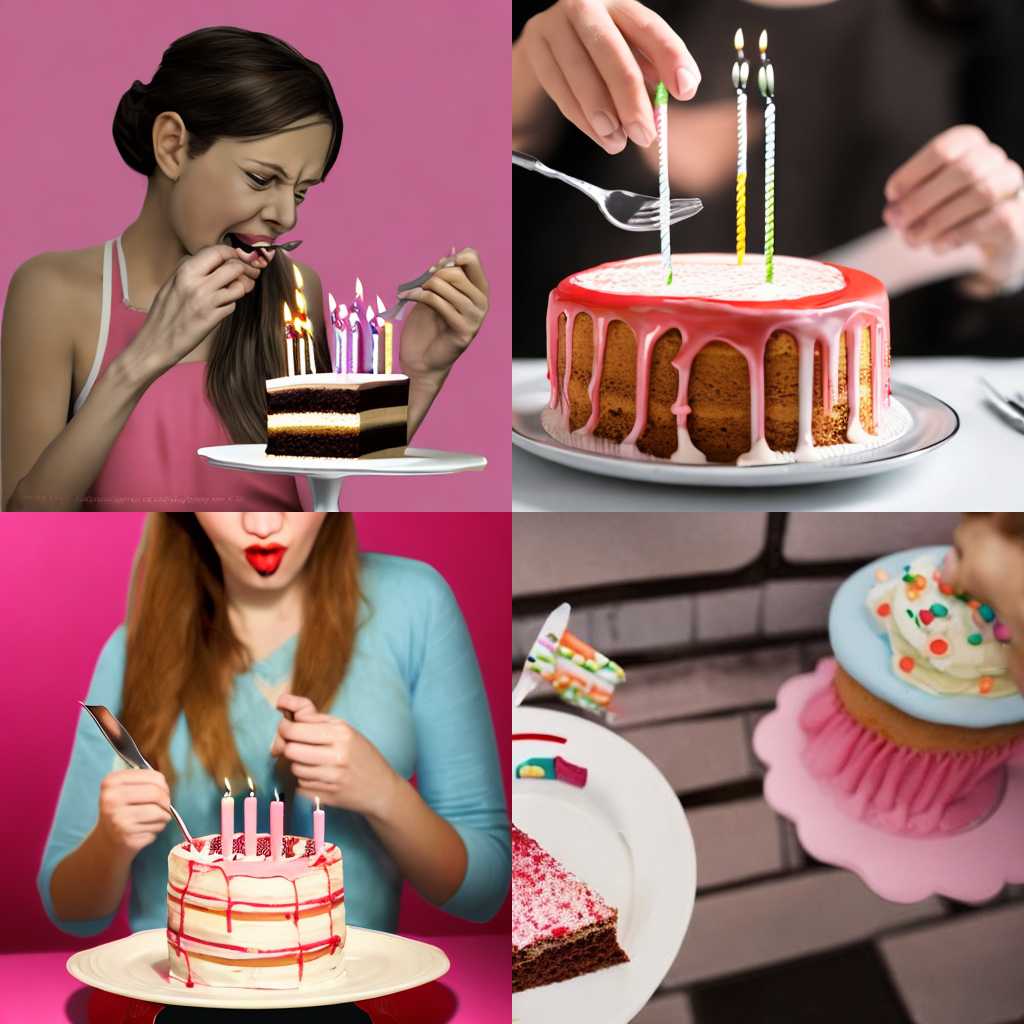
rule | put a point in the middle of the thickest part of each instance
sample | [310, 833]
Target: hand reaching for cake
[201, 292]
[962, 189]
[134, 808]
[593, 57]
[989, 562]
[332, 760]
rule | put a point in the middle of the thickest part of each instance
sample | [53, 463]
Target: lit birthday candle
[249, 818]
[276, 826]
[388, 329]
[338, 314]
[227, 822]
[661, 109]
[353, 322]
[288, 339]
[363, 321]
[740, 73]
[766, 85]
[371, 323]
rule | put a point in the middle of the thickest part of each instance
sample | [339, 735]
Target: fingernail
[616, 142]
[640, 133]
[686, 83]
[603, 124]
[891, 192]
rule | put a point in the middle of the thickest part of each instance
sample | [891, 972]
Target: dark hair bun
[133, 130]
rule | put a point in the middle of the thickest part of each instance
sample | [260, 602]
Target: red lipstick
[265, 558]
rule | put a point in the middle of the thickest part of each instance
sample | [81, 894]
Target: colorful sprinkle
[938, 646]
[1001, 632]
[940, 610]
[974, 639]
[987, 613]
[881, 575]
[908, 578]
[945, 588]
[907, 664]
[920, 581]
[985, 684]
[884, 609]
[926, 616]
[910, 614]
[970, 603]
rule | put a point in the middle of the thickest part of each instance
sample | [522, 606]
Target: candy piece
[940, 610]
[974, 639]
[985, 684]
[971, 602]
[926, 617]
[938, 646]
[986, 612]
[536, 768]
[569, 773]
[907, 664]
[945, 588]
[1001, 632]
[920, 581]
[881, 575]
[908, 577]
[884, 609]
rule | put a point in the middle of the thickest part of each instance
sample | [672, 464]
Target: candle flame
[332, 303]
[227, 788]
[276, 797]
[318, 803]
[380, 305]
[359, 288]
[762, 42]
[737, 40]
[247, 779]
[300, 302]
[298, 276]
[287, 313]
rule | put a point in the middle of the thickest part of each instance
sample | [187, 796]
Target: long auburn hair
[181, 652]
[232, 83]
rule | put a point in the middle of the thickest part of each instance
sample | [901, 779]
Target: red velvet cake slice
[561, 928]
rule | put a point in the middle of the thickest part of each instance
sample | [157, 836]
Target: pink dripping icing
[815, 320]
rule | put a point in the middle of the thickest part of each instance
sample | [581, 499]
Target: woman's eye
[264, 182]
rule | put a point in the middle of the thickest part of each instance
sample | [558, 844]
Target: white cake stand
[325, 475]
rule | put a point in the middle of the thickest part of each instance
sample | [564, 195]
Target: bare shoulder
[62, 277]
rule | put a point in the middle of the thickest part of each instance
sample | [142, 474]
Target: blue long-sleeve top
[413, 688]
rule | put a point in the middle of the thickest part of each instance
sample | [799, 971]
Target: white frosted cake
[253, 922]
[337, 415]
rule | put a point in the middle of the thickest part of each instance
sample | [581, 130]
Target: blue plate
[866, 655]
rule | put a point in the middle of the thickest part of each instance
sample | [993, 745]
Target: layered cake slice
[561, 928]
[337, 415]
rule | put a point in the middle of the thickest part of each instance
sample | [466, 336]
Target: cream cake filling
[349, 422]
[715, 276]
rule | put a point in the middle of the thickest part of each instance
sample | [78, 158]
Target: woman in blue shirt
[234, 619]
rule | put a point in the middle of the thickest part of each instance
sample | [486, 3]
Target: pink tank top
[153, 465]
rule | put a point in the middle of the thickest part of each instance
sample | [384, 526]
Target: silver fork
[124, 746]
[1009, 406]
[625, 210]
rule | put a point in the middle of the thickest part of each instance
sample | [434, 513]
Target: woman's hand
[989, 564]
[332, 760]
[134, 808]
[201, 292]
[592, 57]
[962, 189]
[450, 307]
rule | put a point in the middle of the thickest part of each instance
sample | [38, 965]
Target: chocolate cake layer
[590, 949]
[338, 399]
[336, 445]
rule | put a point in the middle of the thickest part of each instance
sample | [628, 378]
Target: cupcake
[889, 768]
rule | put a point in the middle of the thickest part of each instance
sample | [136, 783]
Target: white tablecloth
[981, 469]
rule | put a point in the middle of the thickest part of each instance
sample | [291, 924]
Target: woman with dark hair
[233, 620]
[167, 334]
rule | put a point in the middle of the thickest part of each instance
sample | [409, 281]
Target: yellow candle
[387, 346]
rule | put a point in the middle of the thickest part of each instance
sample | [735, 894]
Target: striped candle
[661, 110]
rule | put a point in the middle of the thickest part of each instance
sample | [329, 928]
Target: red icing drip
[746, 326]
[301, 948]
[537, 736]
[189, 983]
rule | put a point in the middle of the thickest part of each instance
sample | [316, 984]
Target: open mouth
[265, 558]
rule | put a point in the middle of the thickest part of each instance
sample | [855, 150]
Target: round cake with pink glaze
[719, 365]
[255, 922]
[887, 767]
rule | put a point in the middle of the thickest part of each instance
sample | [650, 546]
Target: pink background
[424, 92]
[65, 582]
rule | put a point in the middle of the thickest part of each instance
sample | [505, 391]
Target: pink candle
[276, 826]
[227, 822]
[318, 828]
[249, 811]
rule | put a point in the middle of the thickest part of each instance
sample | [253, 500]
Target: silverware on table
[124, 746]
[1009, 407]
[625, 210]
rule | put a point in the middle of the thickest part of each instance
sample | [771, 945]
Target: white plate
[933, 424]
[624, 834]
[375, 964]
[415, 462]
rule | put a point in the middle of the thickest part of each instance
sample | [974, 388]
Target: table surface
[37, 987]
[979, 469]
